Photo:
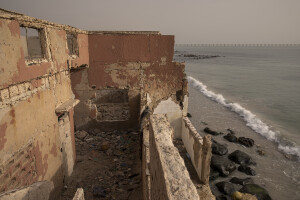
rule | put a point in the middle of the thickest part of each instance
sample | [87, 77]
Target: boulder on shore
[218, 149]
[213, 175]
[259, 192]
[247, 170]
[242, 196]
[223, 197]
[222, 165]
[248, 142]
[241, 158]
[241, 181]
[230, 137]
[209, 131]
[226, 187]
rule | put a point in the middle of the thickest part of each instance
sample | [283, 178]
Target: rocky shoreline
[273, 172]
[224, 164]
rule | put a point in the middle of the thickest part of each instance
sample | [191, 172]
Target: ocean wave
[251, 120]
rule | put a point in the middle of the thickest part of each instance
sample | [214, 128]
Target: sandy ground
[108, 166]
[279, 175]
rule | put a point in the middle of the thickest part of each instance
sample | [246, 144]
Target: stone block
[28, 86]
[22, 88]
[13, 90]
[4, 94]
[79, 195]
[15, 99]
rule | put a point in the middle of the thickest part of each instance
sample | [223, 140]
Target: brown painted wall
[30, 147]
[140, 63]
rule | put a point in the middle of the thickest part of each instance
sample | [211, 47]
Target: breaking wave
[251, 120]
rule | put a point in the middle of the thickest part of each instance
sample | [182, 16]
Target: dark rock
[218, 148]
[241, 158]
[261, 152]
[209, 131]
[248, 142]
[231, 131]
[230, 137]
[247, 170]
[223, 197]
[222, 165]
[213, 174]
[259, 192]
[226, 187]
[189, 115]
[99, 191]
[241, 181]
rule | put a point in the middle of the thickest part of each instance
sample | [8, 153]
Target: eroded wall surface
[169, 176]
[199, 149]
[30, 92]
[136, 63]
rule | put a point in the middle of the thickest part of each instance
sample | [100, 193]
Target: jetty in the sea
[236, 45]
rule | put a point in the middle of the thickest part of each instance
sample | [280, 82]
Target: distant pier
[237, 45]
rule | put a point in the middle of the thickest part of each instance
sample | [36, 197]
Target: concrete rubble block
[15, 99]
[81, 134]
[37, 191]
[169, 176]
[79, 195]
[67, 105]
[5, 95]
[27, 86]
[13, 91]
[22, 88]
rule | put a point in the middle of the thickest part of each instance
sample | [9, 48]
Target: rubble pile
[107, 165]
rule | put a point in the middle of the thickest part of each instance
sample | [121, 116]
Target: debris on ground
[108, 166]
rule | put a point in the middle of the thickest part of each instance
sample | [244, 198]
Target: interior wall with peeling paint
[140, 63]
[31, 146]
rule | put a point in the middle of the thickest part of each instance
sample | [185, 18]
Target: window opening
[72, 44]
[31, 43]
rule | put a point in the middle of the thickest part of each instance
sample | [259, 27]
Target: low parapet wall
[169, 176]
[198, 148]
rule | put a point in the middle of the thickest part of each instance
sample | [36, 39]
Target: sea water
[260, 84]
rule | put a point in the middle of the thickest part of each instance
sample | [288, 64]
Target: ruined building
[56, 79]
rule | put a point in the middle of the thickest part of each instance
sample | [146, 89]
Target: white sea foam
[251, 120]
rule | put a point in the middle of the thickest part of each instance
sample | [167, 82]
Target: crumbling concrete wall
[198, 148]
[30, 92]
[169, 176]
[139, 63]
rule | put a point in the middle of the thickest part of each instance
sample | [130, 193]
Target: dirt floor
[108, 166]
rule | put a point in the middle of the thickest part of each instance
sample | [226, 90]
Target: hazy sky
[191, 21]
